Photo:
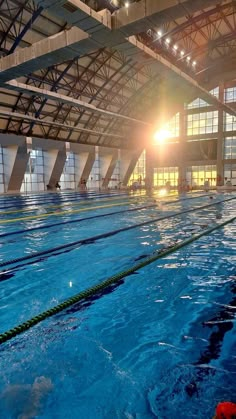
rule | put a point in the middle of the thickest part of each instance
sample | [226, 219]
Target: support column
[127, 164]
[84, 160]
[108, 159]
[220, 141]
[15, 163]
[54, 164]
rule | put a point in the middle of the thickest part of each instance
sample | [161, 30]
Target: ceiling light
[194, 63]
[167, 40]
[126, 4]
[159, 33]
[188, 58]
[182, 53]
[175, 47]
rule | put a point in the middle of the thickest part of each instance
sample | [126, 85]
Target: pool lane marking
[89, 240]
[77, 220]
[89, 292]
[67, 204]
[11, 220]
[33, 217]
[85, 202]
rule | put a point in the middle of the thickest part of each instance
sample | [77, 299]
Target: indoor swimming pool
[158, 342]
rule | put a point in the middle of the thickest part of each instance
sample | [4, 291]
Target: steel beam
[141, 16]
[35, 91]
[52, 50]
[24, 117]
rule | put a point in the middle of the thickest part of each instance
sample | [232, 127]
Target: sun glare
[161, 136]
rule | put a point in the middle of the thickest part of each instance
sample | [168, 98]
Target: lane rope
[46, 226]
[90, 240]
[21, 328]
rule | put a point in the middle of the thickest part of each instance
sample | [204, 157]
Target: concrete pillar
[108, 159]
[150, 164]
[15, 163]
[127, 164]
[84, 160]
[220, 140]
[54, 164]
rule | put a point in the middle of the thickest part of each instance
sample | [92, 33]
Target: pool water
[161, 343]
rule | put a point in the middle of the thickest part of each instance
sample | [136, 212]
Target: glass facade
[172, 127]
[230, 173]
[197, 175]
[229, 122]
[162, 175]
[230, 148]
[95, 180]
[230, 95]
[202, 123]
[34, 175]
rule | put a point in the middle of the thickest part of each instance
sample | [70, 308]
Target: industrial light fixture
[159, 33]
[175, 47]
[126, 4]
[168, 40]
[194, 63]
[188, 58]
[182, 53]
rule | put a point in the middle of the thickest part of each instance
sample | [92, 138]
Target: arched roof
[109, 95]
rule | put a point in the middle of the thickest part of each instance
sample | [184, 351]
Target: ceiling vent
[70, 7]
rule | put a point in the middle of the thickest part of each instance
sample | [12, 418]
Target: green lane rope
[15, 331]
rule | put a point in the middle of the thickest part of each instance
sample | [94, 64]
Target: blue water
[159, 344]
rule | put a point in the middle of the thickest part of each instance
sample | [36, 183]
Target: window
[197, 103]
[230, 173]
[230, 148]
[196, 175]
[202, 123]
[67, 179]
[230, 95]
[166, 174]
[200, 103]
[229, 122]
[172, 127]
[34, 174]
[94, 180]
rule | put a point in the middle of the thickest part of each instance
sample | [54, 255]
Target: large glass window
[172, 127]
[230, 148]
[230, 173]
[202, 123]
[94, 180]
[197, 175]
[229, 122]
[200, 103]
[162, 175]
[197, 103]
[34, 175]
[139, 172]
[67, 180]
[230, 94]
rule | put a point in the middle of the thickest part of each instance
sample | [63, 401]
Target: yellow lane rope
[33, 217]
[68, 204]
